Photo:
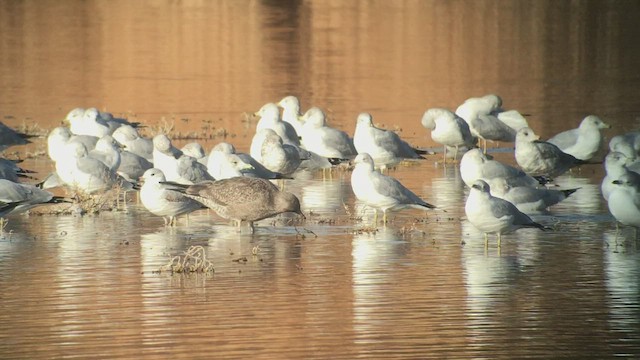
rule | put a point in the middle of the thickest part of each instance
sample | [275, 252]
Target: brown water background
[85, 287]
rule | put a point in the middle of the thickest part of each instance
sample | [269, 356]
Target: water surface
[334, 286]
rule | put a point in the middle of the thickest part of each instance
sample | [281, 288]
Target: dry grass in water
[194, 260]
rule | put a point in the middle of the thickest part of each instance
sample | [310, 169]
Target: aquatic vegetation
[194, 260]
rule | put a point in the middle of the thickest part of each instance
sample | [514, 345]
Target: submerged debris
[194, 261]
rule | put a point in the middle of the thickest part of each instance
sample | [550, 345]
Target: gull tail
[569, 192]
[337, 161]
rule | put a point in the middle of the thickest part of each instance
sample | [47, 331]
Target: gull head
[594, 122]
[628, 181]
[125, 133]
[74, 115]
[364, 119]
[91, 115]
[314, 118]
[364, 160]
[269, 111]
[224, 147]
[482, 186]
[527, 135]
[153, 175]
[162, 143]
[290, 103]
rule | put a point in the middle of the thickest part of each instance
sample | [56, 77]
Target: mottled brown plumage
[243, 198]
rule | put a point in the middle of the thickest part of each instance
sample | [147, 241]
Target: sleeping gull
[131, 140]
[107, 151]
[382, 192]
[268, 148]
[85, 173]
[165, 156]
[540, 158]
[291, 112]
[242, 198]
[384, 146]
[161, 201]
[223, 165]
[448, 129]
[190, 171]
[323, 140]
[195, 150]
[60, 136]
[270, 119]
[624, 201]
[493, 215]
[585, 141]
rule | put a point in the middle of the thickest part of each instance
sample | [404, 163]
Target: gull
[528, 199]
[291, 112]
[9, 170]
[624, 201]
[17, 198]
[615, 165]
[488, 121]
[60, 136]
[87, 122]
[131, 140]
[270, 119]
[256, 169]
[242, 198]
[448, 129]
[165, 157]
[85, 173]
[268, 148]
[222, 165]
[380, 191]
[323, 140]
[493, 215]
[190, 171]
[537, 157]
[585, 141]
[196, 151]
[475, 165]
[384, 146]
[630, 140]
[107, 151]
[10, 137]
[132, 166]
[160, 200]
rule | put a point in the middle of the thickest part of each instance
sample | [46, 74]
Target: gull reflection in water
[622, 271]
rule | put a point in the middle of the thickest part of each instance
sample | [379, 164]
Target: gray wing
[391, 141]
[94, 167]
[565, 139]
[340, 141]
[391, 187]
[132, 165]
[501, 208]
[490, 128]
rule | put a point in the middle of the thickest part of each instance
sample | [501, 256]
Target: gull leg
[499, 239]
[486, 240]
[444, 152]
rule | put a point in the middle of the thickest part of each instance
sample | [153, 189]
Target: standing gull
[59, 137]
[585, 141]
[165, 156]
[493, 215]
[268, 148]
[242, 198]
[624, 201]
[540, 158]
[380, 191]
[384, 146]
[448, 129]
[527, 199]
[129, 137]
[161, 201]
[256, 170]
[615, 165]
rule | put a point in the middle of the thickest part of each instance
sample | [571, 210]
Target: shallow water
[334, 286]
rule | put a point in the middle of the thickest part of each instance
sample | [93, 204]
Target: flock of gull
[98, 152]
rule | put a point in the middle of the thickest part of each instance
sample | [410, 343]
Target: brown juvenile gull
[242, 198]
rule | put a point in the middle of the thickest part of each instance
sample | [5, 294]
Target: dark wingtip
[337, 161]
[569, 191]
[423, 152]
[543, 180]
